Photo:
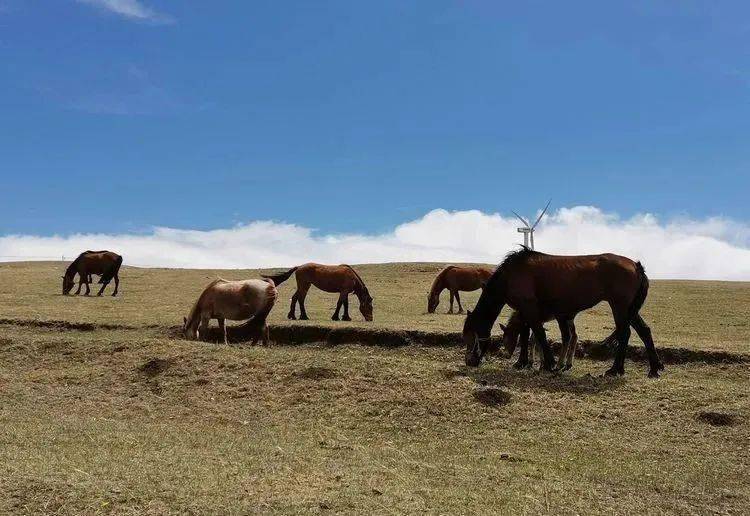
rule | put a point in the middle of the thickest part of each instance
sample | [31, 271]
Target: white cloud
[713, 248]
[132, 9]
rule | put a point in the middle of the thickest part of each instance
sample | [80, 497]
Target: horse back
[98, 262]
[570, 284]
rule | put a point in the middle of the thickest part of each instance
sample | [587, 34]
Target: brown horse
[341, 279]
[103, 263]
[233, 300]
[456, 278]
[542, 287]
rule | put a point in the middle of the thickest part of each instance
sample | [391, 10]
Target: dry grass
[129, 421]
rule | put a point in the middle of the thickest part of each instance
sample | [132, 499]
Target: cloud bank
[713, 248]
[131, 9]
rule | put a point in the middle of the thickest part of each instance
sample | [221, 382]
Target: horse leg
[101, 290]
[565, 342]
[450, 310]
[523, 355]
[223, 329]
[339, 303]
[292, 308]
[301, 298]
[531, 350]
[117, 284]
[203, 328]
[460, 308]
[346, 308]
[622, 328]
[540, 335]
[88, 290]
[644, 332]
[572, 345]
[80, 284]
[266, 335]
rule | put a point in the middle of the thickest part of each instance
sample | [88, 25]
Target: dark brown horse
[103, 263]
[341, 279]
[542, 287]
[456, 278]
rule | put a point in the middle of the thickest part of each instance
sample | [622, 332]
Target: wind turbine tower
[528, 230]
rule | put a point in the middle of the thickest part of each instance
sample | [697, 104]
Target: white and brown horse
[236, 301]
[457, 278]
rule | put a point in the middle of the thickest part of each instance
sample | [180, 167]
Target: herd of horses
[538, 288]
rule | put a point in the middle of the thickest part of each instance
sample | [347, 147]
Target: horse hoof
[335, 318]
[611, 372]
[291, 317]
[520, 365]
[345, 318]
[303, 318]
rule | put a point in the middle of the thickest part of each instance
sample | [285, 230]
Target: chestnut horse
[541, 287]
[456, 278]
[341, 279]
[103, 263]
[233, 300]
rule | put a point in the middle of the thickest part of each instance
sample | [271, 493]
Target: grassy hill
[127, 419]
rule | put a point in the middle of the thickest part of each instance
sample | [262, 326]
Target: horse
[541, 287]
[236, 301]
[516, 330]
[456, 278]
[341, 279]
[103, 263]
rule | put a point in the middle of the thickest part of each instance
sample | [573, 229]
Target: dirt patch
[718, 418]
[314, 373]
[492, 397]
[154, 367]
[66, 325]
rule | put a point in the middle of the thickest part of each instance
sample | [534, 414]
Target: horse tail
[113, 270]
[640, 295]
[278, 279]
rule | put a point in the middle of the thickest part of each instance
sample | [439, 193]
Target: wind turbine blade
[542, 215]
[525, 223]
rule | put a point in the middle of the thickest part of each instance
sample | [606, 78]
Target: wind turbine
[527, 230]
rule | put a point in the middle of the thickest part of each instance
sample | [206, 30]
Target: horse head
[476, 335]
[365, 305]
[67, 284]
[188, 331]
[433, 300]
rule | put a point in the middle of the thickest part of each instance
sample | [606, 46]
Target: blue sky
[120, 115]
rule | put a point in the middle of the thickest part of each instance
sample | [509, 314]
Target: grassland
[126, 419]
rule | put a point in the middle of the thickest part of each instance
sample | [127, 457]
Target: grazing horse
[103, 263]
[518, 332]
[542, 287]
[236, 301]
[341, 279]
[456, 278]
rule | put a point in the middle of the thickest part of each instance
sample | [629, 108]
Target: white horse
[236, 301]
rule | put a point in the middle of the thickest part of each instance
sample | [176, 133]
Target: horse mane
[518, 256]
[363, 287]
[511, 260]
[71, 270]
[439, 277]
[196, 306]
